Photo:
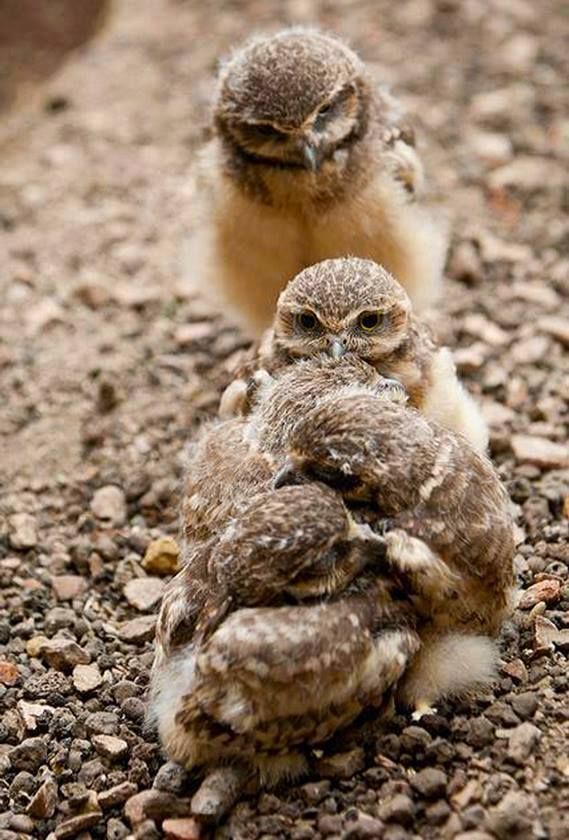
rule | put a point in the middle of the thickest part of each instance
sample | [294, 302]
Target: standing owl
[439, 500]
[308, 160]
[354, 306]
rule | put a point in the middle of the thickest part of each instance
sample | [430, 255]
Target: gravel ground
[106, 367]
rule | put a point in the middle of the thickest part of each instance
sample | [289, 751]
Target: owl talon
[422, 709]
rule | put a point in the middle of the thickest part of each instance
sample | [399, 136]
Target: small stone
[430, 783]
[29, 755]
[67, 587]
[315, 792]
[171, 777]
[138, 630]
[109, 504]
[32, 712]
[516, 670]
[110, 747]
[9, 673]
[181, 829]
[540, 451]
[342, 765]
[548, 591]
[102, 723]
[154, 804]
[525, 704]
[117, 794]
[144, 593]
[511, 817]
[44, 802]
[61, 653]
[556, 327]
[76, 825]
[188, 334]
[399, 809]
[22, 531]
[522, 741]
[86, 678]
[162, 557]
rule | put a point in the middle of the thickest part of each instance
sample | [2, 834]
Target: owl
[354, 306]
[258, 685]
[436, 498]
[309, 159]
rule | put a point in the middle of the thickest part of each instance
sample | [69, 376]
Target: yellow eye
[307, 321]
[369, 321]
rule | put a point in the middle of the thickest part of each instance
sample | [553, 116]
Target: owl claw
[422, 710]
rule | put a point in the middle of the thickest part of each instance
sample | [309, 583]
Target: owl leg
[447, 666]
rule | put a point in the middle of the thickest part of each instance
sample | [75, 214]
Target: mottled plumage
[439, 499]
[309, 160]
[355, 306]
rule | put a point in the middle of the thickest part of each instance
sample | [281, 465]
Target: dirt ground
[107, 365]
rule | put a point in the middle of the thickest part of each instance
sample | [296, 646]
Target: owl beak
[310, 156]
[336, 349]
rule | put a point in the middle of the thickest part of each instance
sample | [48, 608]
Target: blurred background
[107, 364]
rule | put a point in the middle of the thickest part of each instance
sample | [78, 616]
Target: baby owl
[438, 500]
[354, 306]
[309, 160]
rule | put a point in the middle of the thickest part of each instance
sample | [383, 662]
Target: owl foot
[423, 708]
[219, 791]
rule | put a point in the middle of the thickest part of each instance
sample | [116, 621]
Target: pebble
[86, 678]
[102, 723]
[162, 557]
[171, 777]
[22, 531]
[109, 504]
[540, 451]
[29, 755]
[342, 765]
[547, 636]
[511, 817]
[522, 741]
[109, 746]
[144, 593]
[138, 630]
[547, 591]
[399, 809]
[181, 829]
[68, 587]
[61, 653]
[9, 673]
[43, 804]
[430, 782]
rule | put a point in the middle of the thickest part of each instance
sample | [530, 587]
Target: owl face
[293, 101]
[342, 306]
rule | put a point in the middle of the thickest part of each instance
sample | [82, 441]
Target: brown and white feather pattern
[310, 159]
[338, 294]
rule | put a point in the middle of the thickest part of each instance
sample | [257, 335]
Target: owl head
[342, 306]
[294, 100]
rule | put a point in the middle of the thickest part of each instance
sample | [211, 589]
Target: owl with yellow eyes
[309, 159]
[354, 307]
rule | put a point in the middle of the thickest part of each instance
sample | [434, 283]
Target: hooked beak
[310, 156]
[336, 349]
[288, 474]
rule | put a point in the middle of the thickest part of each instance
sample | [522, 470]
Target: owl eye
[307, 321]
[369, 321]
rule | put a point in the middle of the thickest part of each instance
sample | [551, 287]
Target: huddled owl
[438, 500]
[277, 634]
[354, 306]
[309, 159]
